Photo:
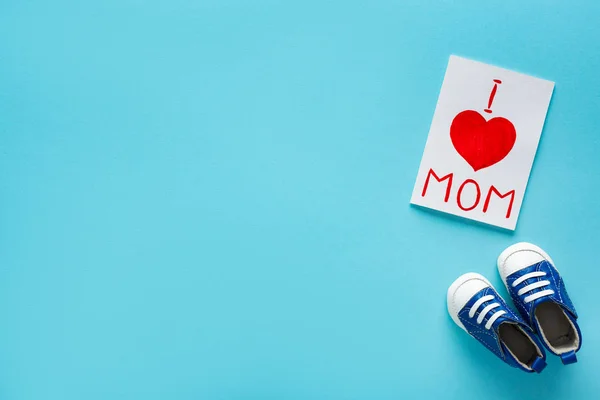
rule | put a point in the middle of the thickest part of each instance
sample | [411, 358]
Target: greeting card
[482, 142]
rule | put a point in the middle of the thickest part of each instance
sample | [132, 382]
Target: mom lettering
[468, 204]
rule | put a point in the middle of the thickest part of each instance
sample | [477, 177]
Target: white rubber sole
[453, 307]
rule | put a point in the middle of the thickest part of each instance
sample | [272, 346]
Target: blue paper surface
[210, 199]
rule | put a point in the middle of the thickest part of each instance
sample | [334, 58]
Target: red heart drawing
[482, 143]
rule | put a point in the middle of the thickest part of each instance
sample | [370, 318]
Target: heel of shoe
[538, 365]
[568, 358]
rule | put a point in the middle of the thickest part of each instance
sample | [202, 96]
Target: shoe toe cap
[462, 290]
[519, 256]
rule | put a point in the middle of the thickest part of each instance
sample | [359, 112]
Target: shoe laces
[486, 310]
[532, 286]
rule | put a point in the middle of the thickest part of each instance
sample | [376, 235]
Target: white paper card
[482, 142]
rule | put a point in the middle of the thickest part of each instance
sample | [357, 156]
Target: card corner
[454, 57]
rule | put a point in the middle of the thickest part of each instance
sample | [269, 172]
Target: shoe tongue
[552, 299]
[503, 319]
[532, 317]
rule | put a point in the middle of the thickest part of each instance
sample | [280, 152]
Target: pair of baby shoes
[547, 316]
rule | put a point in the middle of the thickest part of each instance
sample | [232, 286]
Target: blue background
[210, 199]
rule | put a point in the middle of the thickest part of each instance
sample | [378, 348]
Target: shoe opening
[556, 328]
[519, 344]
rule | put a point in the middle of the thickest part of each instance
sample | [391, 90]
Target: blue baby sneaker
[477, 308]
[539, 294]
